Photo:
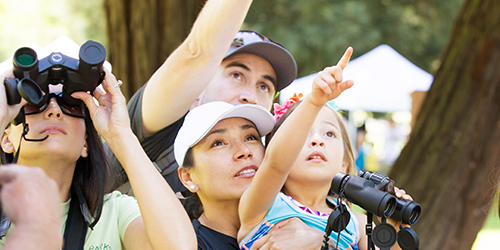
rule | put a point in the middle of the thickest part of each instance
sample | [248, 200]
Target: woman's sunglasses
[71, 110]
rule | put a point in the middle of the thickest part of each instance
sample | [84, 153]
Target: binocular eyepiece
[374, 192]
[407, 211]
[32, 76]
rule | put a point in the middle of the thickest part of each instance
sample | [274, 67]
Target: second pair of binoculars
[374, 192]
[32, 76]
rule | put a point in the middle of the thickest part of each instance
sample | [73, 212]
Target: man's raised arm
[187, 71]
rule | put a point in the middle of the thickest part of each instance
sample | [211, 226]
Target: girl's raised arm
[286, 145]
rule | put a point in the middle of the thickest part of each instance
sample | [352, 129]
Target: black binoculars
[374, 192]
[32, 76]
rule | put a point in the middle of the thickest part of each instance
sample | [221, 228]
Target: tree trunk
[451, 164]
[142, 34]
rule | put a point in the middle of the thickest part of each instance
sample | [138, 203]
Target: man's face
[242, 79]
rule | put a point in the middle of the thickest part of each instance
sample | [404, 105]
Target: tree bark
[141, 35]
[451, 164]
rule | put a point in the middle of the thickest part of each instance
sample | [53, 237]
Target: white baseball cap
[200, 120]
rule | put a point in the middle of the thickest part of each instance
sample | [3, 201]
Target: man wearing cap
[212, 64]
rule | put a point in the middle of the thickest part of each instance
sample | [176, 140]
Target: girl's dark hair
[348, 152]
[91, 173]
[192, 203]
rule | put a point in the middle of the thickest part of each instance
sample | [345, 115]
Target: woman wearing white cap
[220, 150]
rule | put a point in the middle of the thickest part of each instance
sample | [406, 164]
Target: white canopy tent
[383, 82]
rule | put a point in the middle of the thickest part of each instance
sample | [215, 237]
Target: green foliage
[28, 22]
[317, 32]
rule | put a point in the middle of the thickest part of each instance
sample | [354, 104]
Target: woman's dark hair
[91, 173]
[192, 203]
[348, 153]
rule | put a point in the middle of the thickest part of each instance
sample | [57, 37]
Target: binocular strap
[76, 227]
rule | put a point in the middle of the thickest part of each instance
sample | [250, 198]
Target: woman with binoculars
[65, 140]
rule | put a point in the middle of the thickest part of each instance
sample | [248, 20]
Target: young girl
[304, 173]
[305, 193]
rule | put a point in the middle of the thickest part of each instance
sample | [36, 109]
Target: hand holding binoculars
[32, 76]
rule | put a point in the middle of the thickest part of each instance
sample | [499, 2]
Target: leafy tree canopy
[317, 32]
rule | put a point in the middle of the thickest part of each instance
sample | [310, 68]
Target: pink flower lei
[279, 111]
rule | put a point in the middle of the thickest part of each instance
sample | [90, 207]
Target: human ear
[7, 145]
[85, 150]
[187, 181]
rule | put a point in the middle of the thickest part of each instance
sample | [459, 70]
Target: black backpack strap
[167, 166]
[165, 162]
[76, 227]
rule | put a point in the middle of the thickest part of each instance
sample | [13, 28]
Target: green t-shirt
[117, 213]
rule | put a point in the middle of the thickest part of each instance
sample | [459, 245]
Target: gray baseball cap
[247, 41]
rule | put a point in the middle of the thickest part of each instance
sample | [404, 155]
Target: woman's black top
[209, 239]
